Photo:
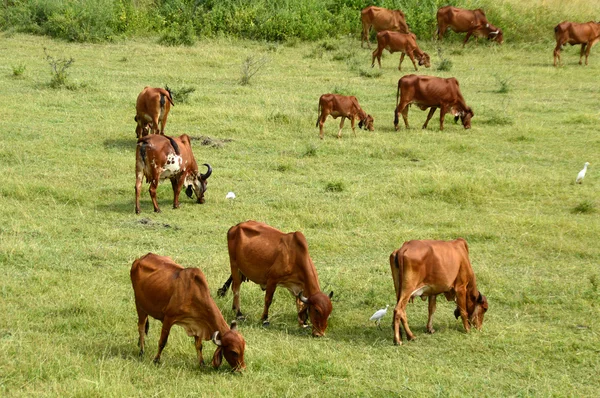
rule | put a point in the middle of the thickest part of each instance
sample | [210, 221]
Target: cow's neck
[311, 280]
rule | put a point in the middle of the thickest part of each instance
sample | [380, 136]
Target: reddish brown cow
[587, 34]
[345, 106]
[427, 268]
[152, 106]
[381, 19]
[271, 258]
[403, 42]
[159, 157]
[180, 296]
[470, 21]
[431, 92]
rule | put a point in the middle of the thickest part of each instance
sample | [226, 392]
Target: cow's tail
[142, 144]
[318, 113]
[223, 290]
[400, 266]
[147, 326]
[170, 96]
[174, 145]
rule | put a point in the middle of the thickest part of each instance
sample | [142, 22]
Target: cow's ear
[330, 294]
[217, 357]
[480, 298]
[189, 191]
[456, 118]
[456, 312]
[135, 118]
[360, 124]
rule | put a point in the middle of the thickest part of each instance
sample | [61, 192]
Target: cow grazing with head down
[271, 258]
[474, 22]
[159, 157]
[175, 295]
[403, 42]
[381, 19]
[427, 268]
[587, 34]
[431, 92]
[345, 107]
[152, 107]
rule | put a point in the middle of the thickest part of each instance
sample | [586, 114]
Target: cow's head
[465, 117]
[230, 344]
[425, 60]
[476, 309]
[495, 34]
[319, 308]
[197, 184]
[366, 123]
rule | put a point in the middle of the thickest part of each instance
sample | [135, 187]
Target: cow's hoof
[221, 292]
[157, 210]
[137, 212]
[397, 342]
[156, 361]
[431, 331]
[266, 323]
[240, 317]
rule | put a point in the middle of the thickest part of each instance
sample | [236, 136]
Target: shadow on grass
[120, 143]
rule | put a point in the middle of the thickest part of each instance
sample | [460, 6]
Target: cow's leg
[341, 125]
[365, 35]
[163, 123]
[177, 184]
[155, 129]
[400, 316]
[270, 290]
[321, 123]
[589, 48]
[235, 288]
[139, 175]
[582, 52]
[153, 187]
[411, 55]
[142, 329]
[461, 302]
[431, 308]
[557, 49]
[429, 116]
[352, 122]
[405, 114]
[198, 344]
[377, 54]
[443, 110]
[402, 59]
[164, 336]
[441, 31]
[396, 325]
[469, 33]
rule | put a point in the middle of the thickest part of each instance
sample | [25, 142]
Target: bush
[60, 68]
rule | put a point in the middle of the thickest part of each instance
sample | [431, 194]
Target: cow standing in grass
[586, 34]
[152, 107]
[381, 19]
[345, 107]
[474, 22]
[400, 42]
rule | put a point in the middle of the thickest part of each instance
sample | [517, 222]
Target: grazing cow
[403, 42]
[470, 21]
[180, 296]
[431, 92]
[381, 19]
[427, 268]
[345, 106]
[587, 34]
[152, 106]
[271, 258]
[159, 157]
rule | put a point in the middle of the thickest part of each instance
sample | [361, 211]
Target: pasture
[69, 233]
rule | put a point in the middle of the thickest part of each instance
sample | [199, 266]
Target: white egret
[581, 174]
[230, 195]
[379, 314]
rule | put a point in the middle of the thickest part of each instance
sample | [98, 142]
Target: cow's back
[429, 89]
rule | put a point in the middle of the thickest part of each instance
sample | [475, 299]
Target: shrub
[182, 94]
[176, 35]
[337, 186]
[18, 70]
[250, 67]
[584, 207]
[60, 68]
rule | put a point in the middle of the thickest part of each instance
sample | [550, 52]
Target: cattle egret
[379, 314]
[230, 195]
[581, 174]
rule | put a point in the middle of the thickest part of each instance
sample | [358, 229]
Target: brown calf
[427, 268]
[180, 296]
[470, 21]
[152, 106]
[159, 157]
[587, 34]
[403, 42]
[271, 258]
[431, 92]
[381, 19]
[345, 106]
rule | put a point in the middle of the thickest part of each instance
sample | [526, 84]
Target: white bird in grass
[581, 174]
[230, 195]
[378, 315]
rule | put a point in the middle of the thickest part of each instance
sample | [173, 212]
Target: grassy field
[68, 232]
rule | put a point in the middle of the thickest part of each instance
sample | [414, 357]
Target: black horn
[208, 173]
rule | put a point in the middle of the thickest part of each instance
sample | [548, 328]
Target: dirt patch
[148, 222]
[211, 142]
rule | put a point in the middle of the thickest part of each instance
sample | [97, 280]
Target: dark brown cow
[271, 258]
[470, 21]
[403, 42]
[159, 157]
[381, 19]
[427, 268]
[587, 34]
[345, 106]
[431, 92]
[180, 296]
[152, 106]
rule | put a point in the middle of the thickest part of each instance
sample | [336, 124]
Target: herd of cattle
[268, 257]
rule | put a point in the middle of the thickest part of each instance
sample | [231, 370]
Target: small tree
[59, 69]
[250, 67]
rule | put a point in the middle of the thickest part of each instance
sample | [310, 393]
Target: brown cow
[180, 296]
[271, 258]
[470, 21]
[587, 34]
[431, 92]
[152, 106]
[381, 19]
[159, 157]
[403, 42]
[345, 106]
[427, 268]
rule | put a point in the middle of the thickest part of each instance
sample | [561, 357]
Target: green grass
[68, 232]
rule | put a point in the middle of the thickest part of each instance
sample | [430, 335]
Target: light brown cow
[180, 296]
[403, 42]
[152, 106]
[381, 19]
[431, 92]
[159, 157]
[427, 268]
[345, 107]
[470, 21]
[271, 258]
[587, 34]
